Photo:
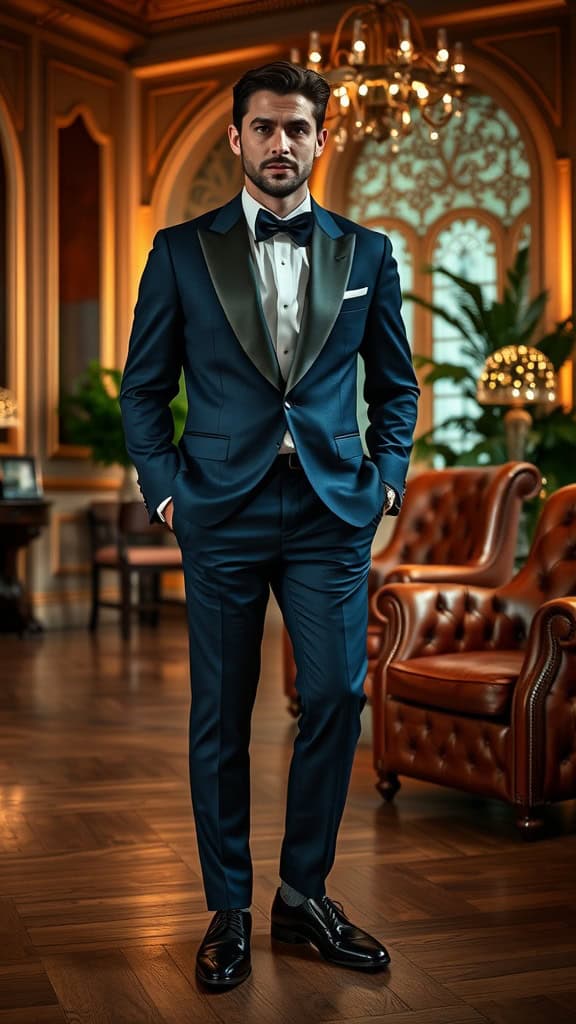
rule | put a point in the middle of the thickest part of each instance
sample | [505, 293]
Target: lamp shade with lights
[8, 410]
[517, 376]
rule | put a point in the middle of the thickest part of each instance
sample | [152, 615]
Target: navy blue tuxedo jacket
[198, 309]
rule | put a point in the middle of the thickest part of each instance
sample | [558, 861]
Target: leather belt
[289, 460]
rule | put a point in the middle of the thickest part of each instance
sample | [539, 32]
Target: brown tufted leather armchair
[476, 687]
[457, 524]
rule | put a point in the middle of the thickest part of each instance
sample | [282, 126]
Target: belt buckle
[291, 464]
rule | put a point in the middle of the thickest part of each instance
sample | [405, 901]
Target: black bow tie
[299, 228]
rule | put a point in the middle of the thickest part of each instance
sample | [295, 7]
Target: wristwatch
[390, 498]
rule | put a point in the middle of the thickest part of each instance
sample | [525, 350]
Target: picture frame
[19, 479]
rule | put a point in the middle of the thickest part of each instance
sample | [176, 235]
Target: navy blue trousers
[317, 565]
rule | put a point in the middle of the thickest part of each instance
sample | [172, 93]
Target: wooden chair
[458, 524]
[476, 687]
[123, 540]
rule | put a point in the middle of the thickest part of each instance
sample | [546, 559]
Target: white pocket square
[356, 292]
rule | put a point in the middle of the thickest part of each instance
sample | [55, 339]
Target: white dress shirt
[283, 270]
[282, 273]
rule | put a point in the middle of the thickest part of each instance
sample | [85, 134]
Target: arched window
[466, 247]
[465, 202]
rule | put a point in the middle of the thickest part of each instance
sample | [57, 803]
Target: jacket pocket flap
[349, 446]
[207, 446]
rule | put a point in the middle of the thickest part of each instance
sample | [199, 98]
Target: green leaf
[437, 311]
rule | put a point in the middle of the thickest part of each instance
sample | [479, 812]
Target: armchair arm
[419, 620]
[543, 707]
[470, 574]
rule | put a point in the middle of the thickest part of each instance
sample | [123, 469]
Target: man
[266, 304]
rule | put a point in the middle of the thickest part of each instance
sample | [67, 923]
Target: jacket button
[287, 405]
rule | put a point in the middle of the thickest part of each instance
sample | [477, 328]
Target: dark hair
[282, 78]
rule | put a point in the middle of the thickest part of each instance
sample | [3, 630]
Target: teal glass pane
[480, 161]
[466, 247]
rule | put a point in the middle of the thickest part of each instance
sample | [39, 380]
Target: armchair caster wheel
[529, 823]
[295, 707]
[388, 785]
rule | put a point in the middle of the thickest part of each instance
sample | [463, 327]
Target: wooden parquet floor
[101, 902]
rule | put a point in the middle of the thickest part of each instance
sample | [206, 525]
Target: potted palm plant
[91, 417]
[485, 327]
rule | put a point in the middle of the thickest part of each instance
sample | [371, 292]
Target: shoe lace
[334, 909]
[228, 920]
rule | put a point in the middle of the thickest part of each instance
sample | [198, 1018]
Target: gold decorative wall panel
[77, 92]
[167, 109]
[69, 544]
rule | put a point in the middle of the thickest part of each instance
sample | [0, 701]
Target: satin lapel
[229, 261]
[330, 265]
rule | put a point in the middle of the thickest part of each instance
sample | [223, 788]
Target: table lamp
[517, 376]
[8, 417]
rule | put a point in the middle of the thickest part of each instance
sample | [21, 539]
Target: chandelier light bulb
[458, 65]
[358, 41]
[442, 52]
[378, 61]
[314, 53]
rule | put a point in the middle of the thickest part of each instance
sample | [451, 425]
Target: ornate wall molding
[166, 111]
[16, 273]
[74, 92]
[12, 80]
[69, 547]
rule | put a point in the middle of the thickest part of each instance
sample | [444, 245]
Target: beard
[280, 187]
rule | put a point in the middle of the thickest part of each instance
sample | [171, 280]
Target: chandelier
[385, 74]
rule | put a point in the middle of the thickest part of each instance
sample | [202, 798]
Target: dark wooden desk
[20, 523]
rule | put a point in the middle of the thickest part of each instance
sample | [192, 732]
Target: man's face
[278, 142]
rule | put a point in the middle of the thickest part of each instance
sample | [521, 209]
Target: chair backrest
[103, 523]
[461, 516]
[135, 527]
[550, 568]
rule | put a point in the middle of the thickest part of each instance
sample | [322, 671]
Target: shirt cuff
[391, 497]
[161, 508]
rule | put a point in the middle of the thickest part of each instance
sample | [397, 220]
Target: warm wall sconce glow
[8, 410]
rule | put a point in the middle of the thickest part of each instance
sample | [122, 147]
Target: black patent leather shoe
[324, 924]
[223, 959]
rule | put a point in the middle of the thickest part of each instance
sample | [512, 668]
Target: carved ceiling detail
[161, 15]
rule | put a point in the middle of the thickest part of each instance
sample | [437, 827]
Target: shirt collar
[251, 207]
